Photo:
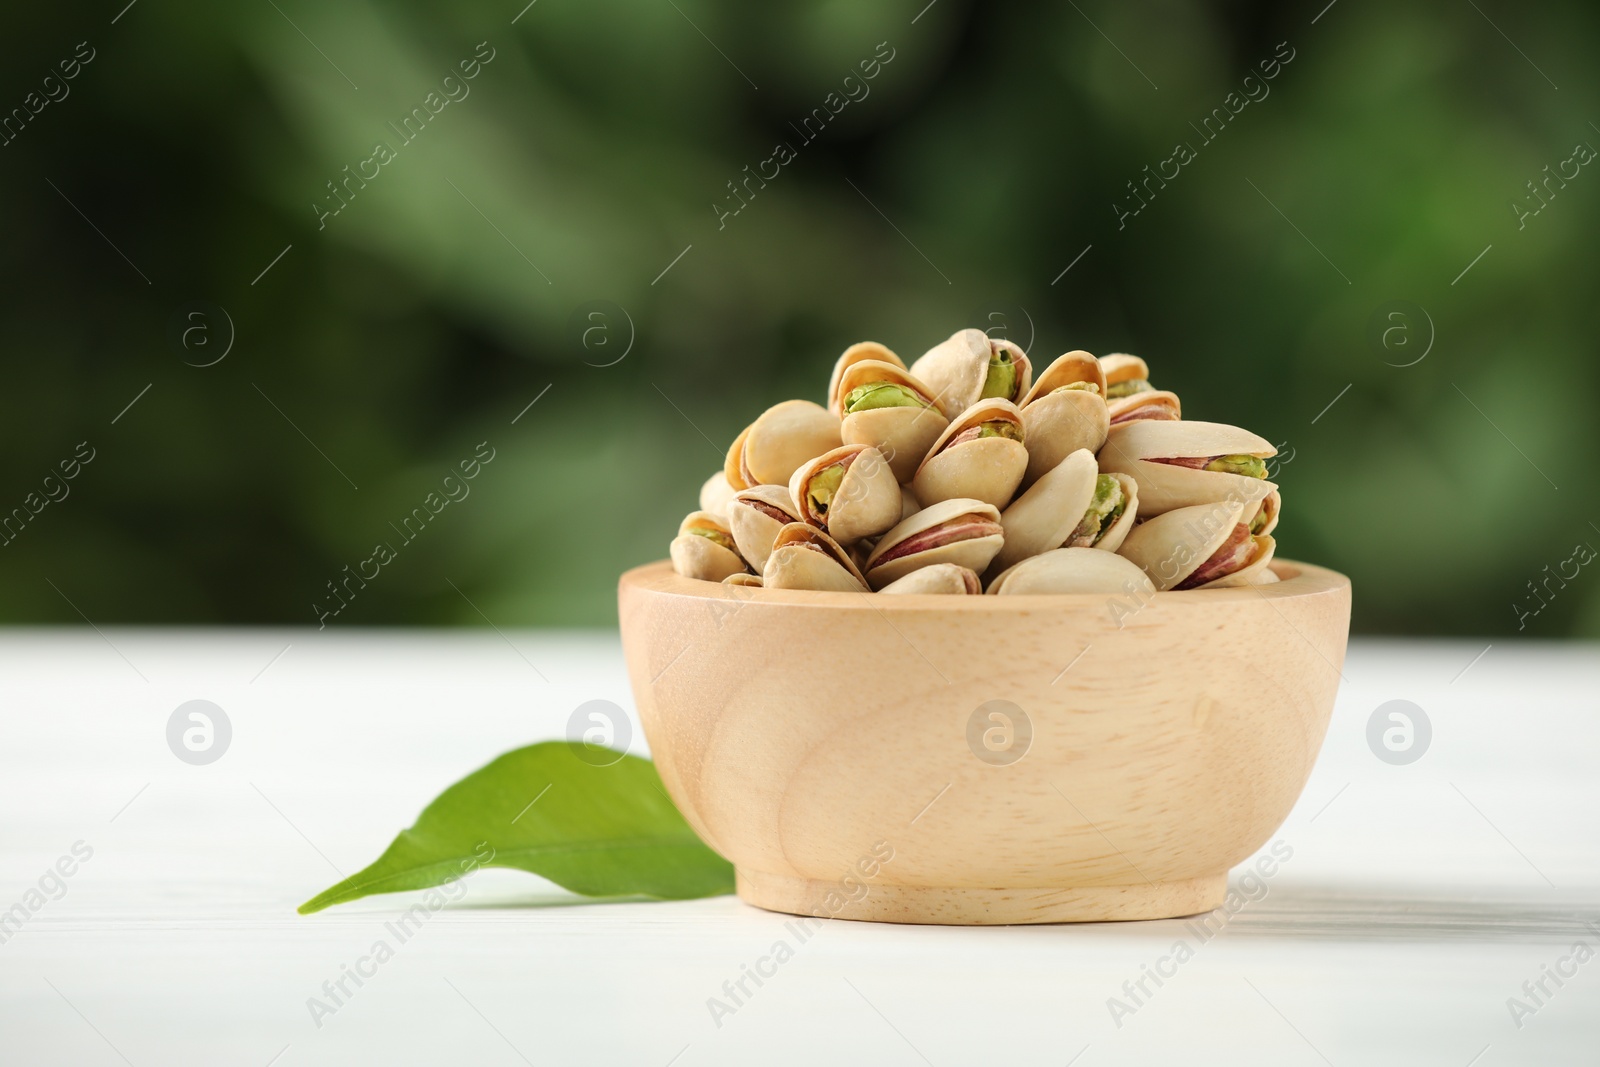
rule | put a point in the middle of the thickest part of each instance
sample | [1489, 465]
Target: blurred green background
[594, 150]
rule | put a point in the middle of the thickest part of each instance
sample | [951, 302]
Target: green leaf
[598, 831]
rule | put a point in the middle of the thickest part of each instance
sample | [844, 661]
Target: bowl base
[968, 906]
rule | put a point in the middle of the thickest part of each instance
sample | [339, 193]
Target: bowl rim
[1296, 580]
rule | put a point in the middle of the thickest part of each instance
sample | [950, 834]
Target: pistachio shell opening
[1174, 545]
[1168, 460]
[850, 492]
[857, 353]
[969, 366]
[980, 456]
[704, 549]
[893, 412]
[755, 517]
[964, 532]
[803, 557]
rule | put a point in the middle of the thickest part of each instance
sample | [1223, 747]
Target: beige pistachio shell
[956, 369]
[865, 503]
[909, 504]
[944, 578]
[987, 469]
[695, 556]
[1074, 366]
[1112, 539]
[856, 353]
[1252, 573]
[974, 553]
[1121, 367]
[716, 494]
[1045, 516]
[1270, 505]
[743, 578]
[785, 435]
[1073, 570]
[1058, 423]
[1157, 405]
[1164, 486]
[903, 435]
[753, 529]
[803, 557]
[1173, 545]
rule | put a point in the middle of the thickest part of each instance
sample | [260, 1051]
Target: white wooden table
[1418, 899]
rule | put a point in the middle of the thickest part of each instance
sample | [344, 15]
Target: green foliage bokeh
[988, 153]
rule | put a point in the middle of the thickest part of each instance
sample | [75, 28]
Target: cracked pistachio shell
[785, 435]
[987, 468]
[938, 578]
[1266, 509]
[1255, 572]
[753, 528]
[1157, 404]
[1048, 514]
[903, 435]
[1045, 516]
[1131, 446]
[859, 352]
[697, 556]
[803, 557]
[1174, 544]
[743, 578]
[715, 495]
[864, 503]
[1073, 570]
[1120, 367]
[1058, 421]
[963, 532]
[957, 368]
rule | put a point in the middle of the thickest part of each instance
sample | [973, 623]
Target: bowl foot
[968, 906]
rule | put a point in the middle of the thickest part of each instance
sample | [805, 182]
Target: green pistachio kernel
[1248, 466]
[1128, 388]
[1085, 387]
[881, 395]
[1001, 428]
[824, 484]
[1260, 521]
[1001, 380]
[715, 536]
[1107, 506]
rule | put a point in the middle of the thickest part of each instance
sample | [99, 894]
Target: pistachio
[850, 492]
[803, 557]
[982, 456]
[1248, 466]
[755, 516]
[942, 578]
[859, 352]
[1180, 464]
[1128, 387]
[704, 549]
[965, 532]
[885, 407]
[716, 537]
[785, 436]
[1073, 570]
[970, 366]
[876, 395]
[1001, 380]
[1105, 508]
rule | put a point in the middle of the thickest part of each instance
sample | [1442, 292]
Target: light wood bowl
[820, 741]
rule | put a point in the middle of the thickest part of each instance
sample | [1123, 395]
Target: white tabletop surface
[1417, 901]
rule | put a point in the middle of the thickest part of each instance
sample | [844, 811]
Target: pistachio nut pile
[966, 472]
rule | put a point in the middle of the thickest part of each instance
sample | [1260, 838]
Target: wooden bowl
[984, 759]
